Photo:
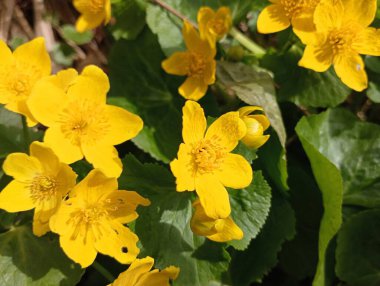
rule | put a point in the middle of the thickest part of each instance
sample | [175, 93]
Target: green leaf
[250, 209]
[136, 75]
[164, 226]
[330, 183]
[11, 133]
[299, 256]
[70, 33]
[63, 54]
[353, 146]
[357, 253]
[272, 159]
[252, 264]
[34, 261]
[130, 19]
[302, 86]
[372, 63]
[373, 91]
[254, 87]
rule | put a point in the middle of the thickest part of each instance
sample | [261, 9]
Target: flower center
[340, 40]
[208, 155]
[84, 122]
[293, 7]
[197, 65]
[43, 188]
[88, 217]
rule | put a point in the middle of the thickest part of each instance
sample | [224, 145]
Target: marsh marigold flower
[139, 274]
[19, 72]
[79, 121]
[282, 13]
[205, 163]
[40, 182]
[93, 13]
[91, 220]
[197, 63]
[256, 125]
[213, 26]
[342, 33]
[220, 230]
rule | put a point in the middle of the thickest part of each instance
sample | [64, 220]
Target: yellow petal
[193, 88]
[227, 130]
[228, 231]
[122, 205]
[205, 14]
[46, 156]
[183, 169]
[21, 166]
[92, 85]
[34, 53]
[21, 108]
[172, 272]
[89, 21]
[138, 268]
[66, 179]
[367, 42]
[328, 15]
[272, 19]
[107, 12]
[81, 249]
[213, 196]
[200, 223]
[105, 158]
[361, 11]
[246, 110]
[317, 58]
[303, 25]
[177, 64]
[95, 185]
[5, 54]
[15, 197]
[48, 96]
[235, 172]
[40, 228]
[193, 121]
[194, 42]
[123, 125]
[154, 278]
[66, 151]
[120, 244]
[209, 72]
[350, 69]
[264, 121]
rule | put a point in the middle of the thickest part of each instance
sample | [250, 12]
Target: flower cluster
[335, 32]
[90, 217]
[198, 63]
[206, 165]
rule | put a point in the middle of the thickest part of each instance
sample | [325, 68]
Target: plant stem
[103, 271]
[174, 11]
[247, 43]
[25, 131]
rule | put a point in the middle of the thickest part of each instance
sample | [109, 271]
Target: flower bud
[256, 125]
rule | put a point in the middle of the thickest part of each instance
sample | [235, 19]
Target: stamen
[43, 188]
[208, 155]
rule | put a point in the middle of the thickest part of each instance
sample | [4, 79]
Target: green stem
[25, 131]
[247, 42]
[103, 271]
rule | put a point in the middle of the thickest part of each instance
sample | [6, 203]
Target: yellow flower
[282, 13]
[220, 230]
[19, 72]
[197, 63]
[93, 13]
[342, 34]
[79, 121]
[205, 163]
[40, 183]
[256, 125]
[213, 26]
[92, 219]
[138, 274]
